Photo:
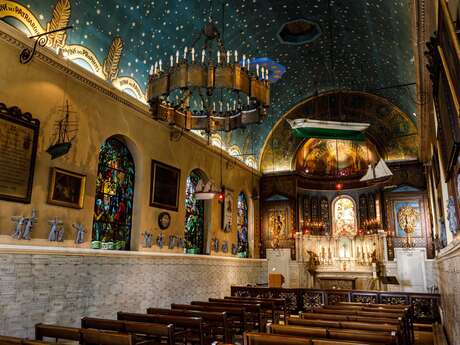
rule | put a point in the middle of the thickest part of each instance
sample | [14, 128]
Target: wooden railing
[297, 300]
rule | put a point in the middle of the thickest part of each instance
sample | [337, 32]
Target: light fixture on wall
[208, 87]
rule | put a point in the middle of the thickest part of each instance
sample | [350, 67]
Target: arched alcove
[344, 216]
[113, 206]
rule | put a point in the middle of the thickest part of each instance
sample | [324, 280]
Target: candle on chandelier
[220, 106]
[151, 70]
[155, 69]
[228, 56]
[244, 60]
[203, 54]
[257, 70]
[262, 69]
[177, 56]
[218, 56]
[234, 104]
[171, 61]
[248, 99]
[214, 106]
[161, 66]
[228, 107]
[236, 56]
[185, 53]
[193, 55]
[249, 64]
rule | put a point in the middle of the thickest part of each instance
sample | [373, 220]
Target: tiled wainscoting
[60, 286]
[449, 283]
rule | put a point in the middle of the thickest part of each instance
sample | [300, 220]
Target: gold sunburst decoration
[408, 218]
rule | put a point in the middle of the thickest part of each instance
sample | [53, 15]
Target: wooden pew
[235, 315]
[255, 314]
[83, 336]
[280, 304]
[272, 307]
[374, 337]
[251, 338]
[142, 329]
[402, 313]
[216, 324]
[190, 327]
[4, 340]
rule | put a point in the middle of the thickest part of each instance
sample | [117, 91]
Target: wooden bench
[83, 336]
[162, 332]
[396, 313]
[235, 315]
[4, 340]
[253, 312]
[251, 338]
[344, 325]
[216, 325]
[374, 337]
[279, 305]
[188, 327]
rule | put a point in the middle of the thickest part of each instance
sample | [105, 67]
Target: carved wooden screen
[314, 209]
[324, 212]
[362, 209]
[306, 209]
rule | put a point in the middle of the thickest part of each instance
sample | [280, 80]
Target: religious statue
[452, 215]
[160, 240]
[19, 226]
[29, 223]
[147, 239]
[56, 233]
[79, 233]
[312, 262]
[172, 239]
[277, 227]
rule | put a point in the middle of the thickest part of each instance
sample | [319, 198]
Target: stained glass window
[114, 197]
[194, 215]
[344, 217]
[242, 225]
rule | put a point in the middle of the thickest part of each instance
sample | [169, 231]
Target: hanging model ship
[377, 173]
[64, 129]
[328, 129]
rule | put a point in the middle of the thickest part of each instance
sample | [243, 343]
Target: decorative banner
[21, 13]
[127, 83]
[74, 52]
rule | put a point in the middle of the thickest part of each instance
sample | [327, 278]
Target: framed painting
[18, 150]
[164, 186]
[67, 188]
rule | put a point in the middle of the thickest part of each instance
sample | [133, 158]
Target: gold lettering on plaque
[16, 148]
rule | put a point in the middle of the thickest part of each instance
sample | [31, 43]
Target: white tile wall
[63, 287]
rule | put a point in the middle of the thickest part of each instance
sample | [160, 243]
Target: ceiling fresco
[391, 131]
[360, 45]
[336, 158]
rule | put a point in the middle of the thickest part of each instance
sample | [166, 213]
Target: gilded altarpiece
[408, 222]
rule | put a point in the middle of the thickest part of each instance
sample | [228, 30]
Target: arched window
[114, 197]
[243, 226]
[194, 215]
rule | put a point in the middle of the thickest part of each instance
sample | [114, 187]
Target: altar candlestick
[161, 66]
[151, 70]
[171, 61]
[218, 57]
[193, 55]
[177, 56]
[185, 53]
[155, 69]
[244, 60]
[228, 56]
[236, 56]
[203, 53]
[257, 70]
[249, 64]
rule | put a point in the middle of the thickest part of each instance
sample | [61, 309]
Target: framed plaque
[18, 150]
[164, 186]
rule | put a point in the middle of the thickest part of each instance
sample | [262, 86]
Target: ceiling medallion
[208, 88]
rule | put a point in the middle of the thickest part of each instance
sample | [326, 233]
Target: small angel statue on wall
[79, 233]
[56, 231]
[29, 223]
[19, 226]
[148, 239]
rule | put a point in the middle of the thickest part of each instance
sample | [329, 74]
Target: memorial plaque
[18, 148]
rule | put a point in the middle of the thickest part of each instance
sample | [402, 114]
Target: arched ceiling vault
[391, 130]
[348, 44]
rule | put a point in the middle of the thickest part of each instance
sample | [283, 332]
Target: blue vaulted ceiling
[364, 44]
